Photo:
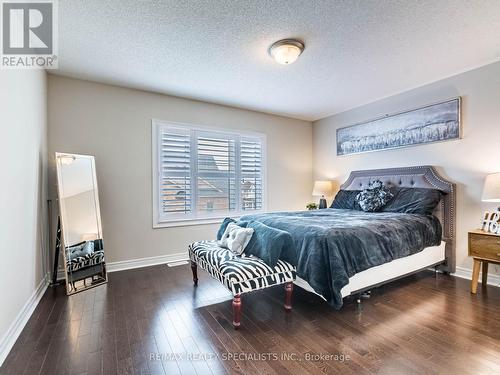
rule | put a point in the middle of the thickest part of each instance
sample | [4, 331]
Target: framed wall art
[432, 123]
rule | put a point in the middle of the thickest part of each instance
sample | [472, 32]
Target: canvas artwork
[432, 123]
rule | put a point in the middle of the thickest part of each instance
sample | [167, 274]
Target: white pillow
[236, 238]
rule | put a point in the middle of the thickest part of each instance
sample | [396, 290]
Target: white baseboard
[146, 262]
[15, 329]
[60, 275]
[138, 263]
[466, 273]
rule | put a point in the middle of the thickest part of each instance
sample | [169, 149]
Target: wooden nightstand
[484, 247]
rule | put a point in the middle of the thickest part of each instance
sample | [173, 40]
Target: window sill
[201, 221]
[190, 222]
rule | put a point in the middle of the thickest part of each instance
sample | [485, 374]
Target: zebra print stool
[240, 274]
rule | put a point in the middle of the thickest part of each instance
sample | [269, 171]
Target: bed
[345, 252]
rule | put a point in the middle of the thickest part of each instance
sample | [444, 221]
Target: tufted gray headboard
[417, 177]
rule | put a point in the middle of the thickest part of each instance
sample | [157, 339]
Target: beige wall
[466, 161]
[114, 124]
[23, 193]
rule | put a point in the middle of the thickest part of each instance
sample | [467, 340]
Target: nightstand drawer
[484, 246]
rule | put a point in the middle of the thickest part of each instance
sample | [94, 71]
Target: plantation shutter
[206, 174]
[216, 173]
[175, 172]
[251, 173]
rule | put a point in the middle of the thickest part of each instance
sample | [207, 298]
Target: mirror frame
[63, 218]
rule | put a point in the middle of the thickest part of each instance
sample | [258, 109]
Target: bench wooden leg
[194, 269]
[288, 296]
[236, 311]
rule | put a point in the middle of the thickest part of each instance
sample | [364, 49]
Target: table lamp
[320, 189]
[491, 190]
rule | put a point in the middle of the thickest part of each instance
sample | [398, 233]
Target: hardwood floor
[134, 324]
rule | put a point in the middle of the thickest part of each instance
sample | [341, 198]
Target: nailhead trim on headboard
[418, 176]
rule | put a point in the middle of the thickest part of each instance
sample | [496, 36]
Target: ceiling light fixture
[286, 51]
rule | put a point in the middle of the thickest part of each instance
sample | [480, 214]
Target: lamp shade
[322, 188]
[491, 191]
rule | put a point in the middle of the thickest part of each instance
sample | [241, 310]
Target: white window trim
[177, 222]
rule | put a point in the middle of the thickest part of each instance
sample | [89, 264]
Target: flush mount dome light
[286, 51]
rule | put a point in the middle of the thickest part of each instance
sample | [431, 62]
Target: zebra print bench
[240, 274]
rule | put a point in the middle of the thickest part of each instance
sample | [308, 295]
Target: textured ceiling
[356, 51]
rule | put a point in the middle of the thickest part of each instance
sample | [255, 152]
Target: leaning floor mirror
[80, 222]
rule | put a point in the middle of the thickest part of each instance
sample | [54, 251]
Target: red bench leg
[288, 296]
[195, 273]
[236, 311]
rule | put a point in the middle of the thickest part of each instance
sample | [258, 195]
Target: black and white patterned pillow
[375, 197]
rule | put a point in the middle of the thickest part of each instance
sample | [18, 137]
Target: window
[203, 174]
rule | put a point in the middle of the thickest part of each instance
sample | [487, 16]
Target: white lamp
[320, 189]
[491, 190]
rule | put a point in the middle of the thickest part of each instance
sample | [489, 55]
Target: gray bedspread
[332, 245]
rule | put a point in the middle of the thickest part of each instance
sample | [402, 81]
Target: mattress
[387, 271]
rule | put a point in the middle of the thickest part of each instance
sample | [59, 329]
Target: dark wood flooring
[418, 325]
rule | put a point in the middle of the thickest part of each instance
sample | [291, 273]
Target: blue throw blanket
[332, 245]
[268, 244]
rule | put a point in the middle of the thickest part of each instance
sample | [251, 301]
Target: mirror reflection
[80, 222]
